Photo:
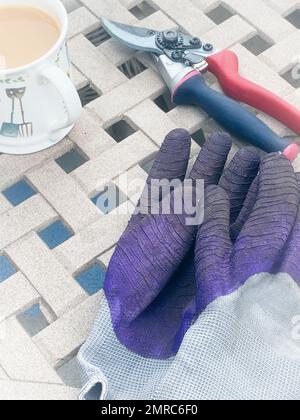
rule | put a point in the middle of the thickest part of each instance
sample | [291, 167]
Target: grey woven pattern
[127, 114]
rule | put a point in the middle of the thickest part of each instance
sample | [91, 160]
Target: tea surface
[26, 34]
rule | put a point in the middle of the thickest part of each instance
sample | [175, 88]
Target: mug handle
[68, 93]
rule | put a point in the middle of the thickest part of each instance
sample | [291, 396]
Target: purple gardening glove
[269, 240]
[151, 282]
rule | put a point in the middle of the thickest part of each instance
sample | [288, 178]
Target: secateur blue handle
[236, 119]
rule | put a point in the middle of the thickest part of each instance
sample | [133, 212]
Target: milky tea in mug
[39, 104]
[26, 34]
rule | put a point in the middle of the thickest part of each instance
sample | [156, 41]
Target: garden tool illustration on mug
[12, 129]
[181, 59]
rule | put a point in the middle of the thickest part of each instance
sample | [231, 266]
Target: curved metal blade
[140, 39]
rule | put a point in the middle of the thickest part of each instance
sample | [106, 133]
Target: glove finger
[238, 177]
[143, 268]
[263, 238]
[291, 260]
[173, 157]
[212, 159]
[246, 211]
[213, 248]
[170, 164]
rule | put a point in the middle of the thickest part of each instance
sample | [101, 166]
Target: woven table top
[55, 243]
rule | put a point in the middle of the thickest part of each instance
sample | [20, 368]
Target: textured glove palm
[151, 284]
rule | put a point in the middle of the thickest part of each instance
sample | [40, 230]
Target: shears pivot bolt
[170, 37]
[195, 42]
[208, 47]
[177, 55]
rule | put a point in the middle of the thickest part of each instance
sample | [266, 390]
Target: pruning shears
[181, 59]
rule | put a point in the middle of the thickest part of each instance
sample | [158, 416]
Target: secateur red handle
[225, 66]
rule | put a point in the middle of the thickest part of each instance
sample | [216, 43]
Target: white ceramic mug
[38, 102]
